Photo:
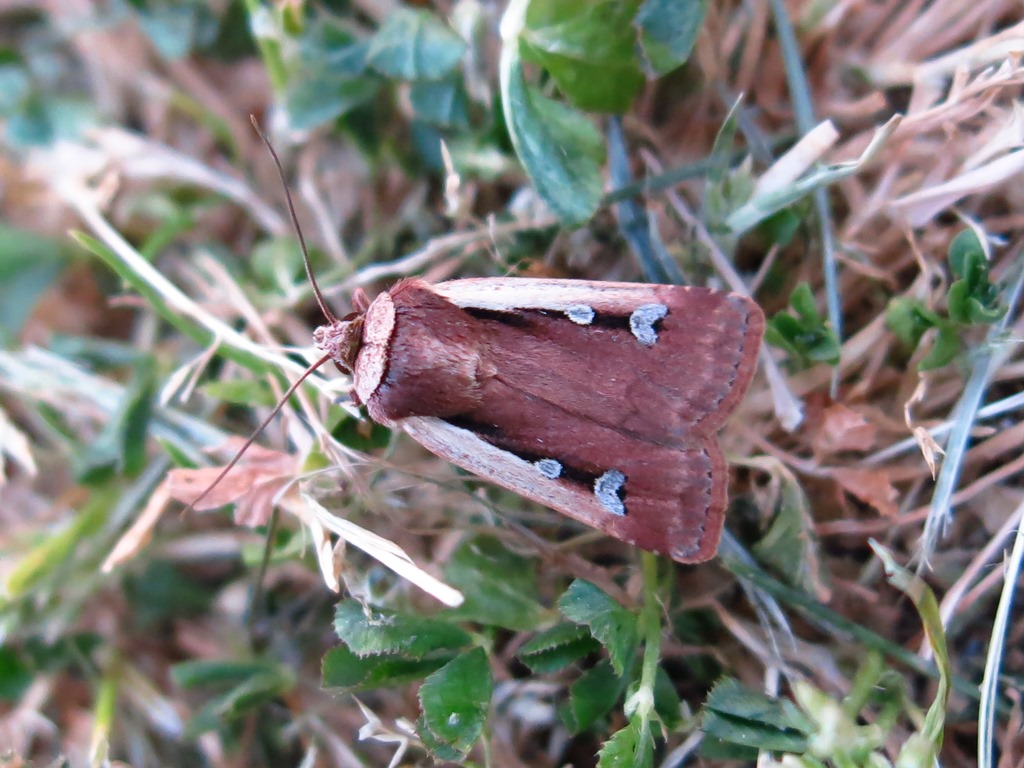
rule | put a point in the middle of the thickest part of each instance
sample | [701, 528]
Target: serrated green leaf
[588, 47]
[668, 30]
[438, 749]
[592, 697]
[456, 699]
[630, 747]
[557, 647]
[560, 149]
[498, 585]
[738, 715]
[414, 44]
[345, 670]
[372, 631]
[610, 624]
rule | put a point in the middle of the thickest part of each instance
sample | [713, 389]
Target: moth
[599, 400]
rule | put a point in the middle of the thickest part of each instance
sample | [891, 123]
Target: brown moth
[599, 400]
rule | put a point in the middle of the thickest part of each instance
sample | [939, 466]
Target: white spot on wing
[642, 321]
[581, 314]
[549, 468]
[607, 488]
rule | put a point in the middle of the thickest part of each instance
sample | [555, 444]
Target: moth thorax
[341, 340]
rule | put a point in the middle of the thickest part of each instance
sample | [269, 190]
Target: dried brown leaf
[250, 485]
[872, 486]
[839, 428]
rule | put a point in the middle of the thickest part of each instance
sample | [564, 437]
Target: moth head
[341, 339]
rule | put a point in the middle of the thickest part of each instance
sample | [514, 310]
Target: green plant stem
[650, 627]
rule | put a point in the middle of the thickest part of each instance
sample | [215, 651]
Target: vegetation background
[853, 165]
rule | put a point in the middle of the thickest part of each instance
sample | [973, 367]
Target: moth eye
[550, 468]
[642, 321]
[607, 488]
[580, 314]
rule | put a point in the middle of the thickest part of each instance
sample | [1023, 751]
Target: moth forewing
[599, 400]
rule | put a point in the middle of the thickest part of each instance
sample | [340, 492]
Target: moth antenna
[331, 318]
[252, 438]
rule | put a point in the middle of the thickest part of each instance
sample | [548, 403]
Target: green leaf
[972, 298]
[588, 47]
[251, 694]
[944, 349]
[121, 445]
[630, 747]
[253, 392]
[982, 311]
[441, 103]
[345, 670]
[805, 336]
[456, 699]
[780, 228]
[560, 149]
[222, 672]
[712, 748]
[965, 249]
[557, 647]
[790, 546]
[740, 716]
[592, 697]
[370, 631]
[362, 434]
[415, 45]
[29, 264]
[41, 122]
[666, 700]
[668, 30]
[498, 585]
[175, 28]
[909, 319]
[329, 76]
[15, 675]
[610, 624]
